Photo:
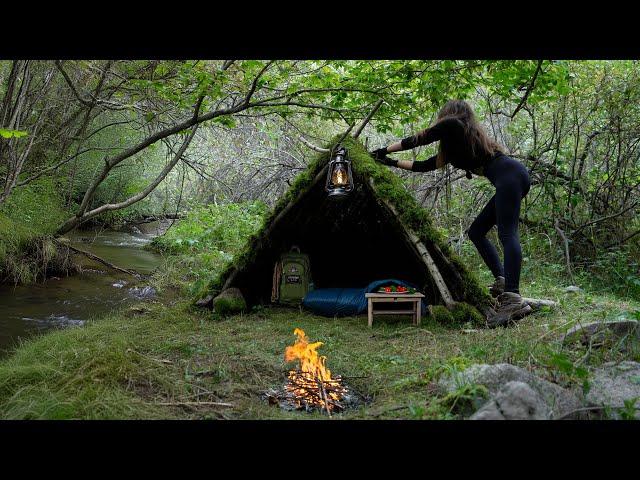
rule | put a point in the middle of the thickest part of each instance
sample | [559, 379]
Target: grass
[28, 219]
[132, 363]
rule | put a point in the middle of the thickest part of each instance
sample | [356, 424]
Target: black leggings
[511, 180]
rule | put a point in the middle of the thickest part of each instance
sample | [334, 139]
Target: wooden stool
[414, 298]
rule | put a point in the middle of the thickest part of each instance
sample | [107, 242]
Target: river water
[68, 302]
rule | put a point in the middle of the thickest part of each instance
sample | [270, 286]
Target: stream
[68, 302]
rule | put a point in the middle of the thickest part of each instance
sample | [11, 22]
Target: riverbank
[68, 301]
[165, 359]
[28, 221]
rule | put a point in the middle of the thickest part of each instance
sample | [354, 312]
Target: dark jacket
[450, 133]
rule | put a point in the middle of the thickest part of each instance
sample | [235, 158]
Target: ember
[311, 385]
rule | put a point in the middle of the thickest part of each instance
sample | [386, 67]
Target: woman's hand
[380, 153]
[390, 162]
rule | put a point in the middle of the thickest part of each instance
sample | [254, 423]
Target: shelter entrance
[350, 243]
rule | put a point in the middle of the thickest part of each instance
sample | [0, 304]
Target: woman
[465, 145]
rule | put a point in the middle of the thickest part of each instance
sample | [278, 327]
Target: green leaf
[12, 133]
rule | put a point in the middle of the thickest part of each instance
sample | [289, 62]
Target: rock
[514, 401]
[142, 293]
[573, 289]
[559, 400]
[206, 302]
[230, 301]
[597, 333]
[613, 383]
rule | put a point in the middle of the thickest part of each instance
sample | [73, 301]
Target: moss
[229, 302]
[458, 315]
[388, 187]
[463, 312]
[441, 315]
[229, 306]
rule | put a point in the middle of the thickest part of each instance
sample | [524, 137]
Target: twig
[532, 83]
[566, 248]
[194, 404]
[588, 409]
[375, 108]
[324, 396]
[150, 358]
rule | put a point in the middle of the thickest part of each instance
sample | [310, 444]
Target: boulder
[229, 301]
[599, 333]
[572, 289]
[514, 401]
[612, 384]
[559, 400]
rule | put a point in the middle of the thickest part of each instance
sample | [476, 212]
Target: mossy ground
[133, 363]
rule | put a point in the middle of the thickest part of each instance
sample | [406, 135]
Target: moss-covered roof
[387, 187]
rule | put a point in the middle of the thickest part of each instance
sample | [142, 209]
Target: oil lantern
[339, 178]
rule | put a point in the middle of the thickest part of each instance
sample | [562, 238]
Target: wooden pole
[415, 241]
[367, 119]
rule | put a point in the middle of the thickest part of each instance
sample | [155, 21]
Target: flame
[312, 383]
[339, 176]
[310, 361]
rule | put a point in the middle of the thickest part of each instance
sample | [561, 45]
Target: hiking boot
[497, 288]
[511, 307]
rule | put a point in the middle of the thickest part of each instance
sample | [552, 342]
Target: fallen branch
[100, 260]
[194, 404]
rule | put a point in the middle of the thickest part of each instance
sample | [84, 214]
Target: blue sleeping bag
[344, 302]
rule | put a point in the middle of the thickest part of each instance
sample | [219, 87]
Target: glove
[390, 162]
[379, 153]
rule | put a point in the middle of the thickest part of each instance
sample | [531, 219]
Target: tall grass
[28, 220]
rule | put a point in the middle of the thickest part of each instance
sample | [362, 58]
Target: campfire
[311, 385]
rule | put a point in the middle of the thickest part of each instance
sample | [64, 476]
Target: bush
[205, 241]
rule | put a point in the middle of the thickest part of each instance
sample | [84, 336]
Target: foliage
[4, 133]
[207, 239]
[28, 219]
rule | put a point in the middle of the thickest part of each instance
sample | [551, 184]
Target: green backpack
[295, 277]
